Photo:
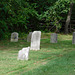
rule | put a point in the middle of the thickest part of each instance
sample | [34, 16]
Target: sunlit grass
[51, 59]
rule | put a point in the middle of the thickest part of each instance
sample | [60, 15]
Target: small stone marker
[29, 37]
[73, 40]
[23, 54]
[14, 37]
[53, 38]
[35, 40]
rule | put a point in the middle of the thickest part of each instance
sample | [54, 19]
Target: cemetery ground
[51, 59]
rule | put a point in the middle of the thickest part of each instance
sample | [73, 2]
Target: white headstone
[29, 37]
[14, 37]
[73, 40]
[53, 38]
[35, 40]
[23, 54]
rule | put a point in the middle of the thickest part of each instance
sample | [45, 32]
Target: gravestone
[23, 54]
[14, 37]
[35, 40]
[29, 37]
[53, 38]
[73, 40]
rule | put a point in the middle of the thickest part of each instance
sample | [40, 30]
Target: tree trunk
[68, 18]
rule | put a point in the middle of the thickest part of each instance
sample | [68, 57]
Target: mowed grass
[51, 59]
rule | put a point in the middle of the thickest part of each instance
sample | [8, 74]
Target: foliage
[41, 5]
[56, 13]
[26, 15]
[15, 15]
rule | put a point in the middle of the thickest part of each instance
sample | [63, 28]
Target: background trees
[30, 15]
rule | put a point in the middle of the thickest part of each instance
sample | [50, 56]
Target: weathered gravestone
[73, 40]
[14, 37]
[35, 40]
[23, 54]
[53, 38]
[29, 37]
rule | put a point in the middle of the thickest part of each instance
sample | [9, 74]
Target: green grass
[51, 59]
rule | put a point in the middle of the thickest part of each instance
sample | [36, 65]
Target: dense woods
[29, 15]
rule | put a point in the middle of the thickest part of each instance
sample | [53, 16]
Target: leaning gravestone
[14, 37]
[53, 38]
[35, 40]
[23, 54]
[73, 40]
[29, 37]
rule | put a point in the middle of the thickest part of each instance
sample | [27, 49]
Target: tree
[68, 18]
[20, 15]
[56, 13]
[15, 16]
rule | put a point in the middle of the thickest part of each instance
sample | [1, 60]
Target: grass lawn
[51, 59]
